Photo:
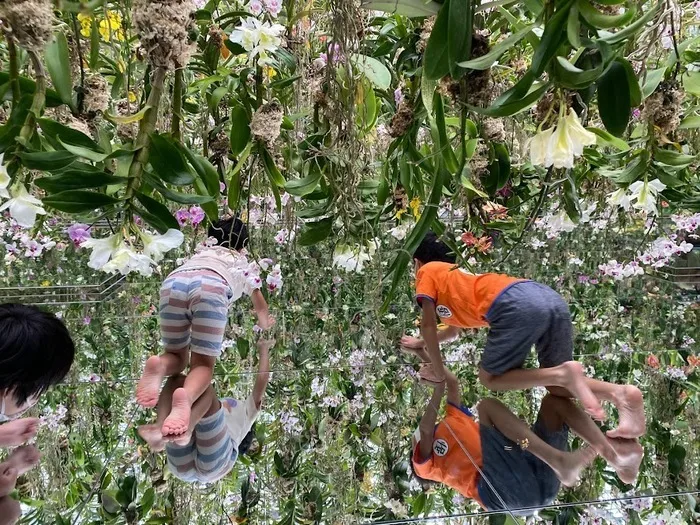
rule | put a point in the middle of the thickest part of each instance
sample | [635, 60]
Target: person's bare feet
[575, 382]
[629, 454]
[10, 511]
[148, 389]
[153, 436]
[23, 459]
[569, 467]
[630, 407]
[427, 374]
[178, 421]
[8, 479]
[182, 440]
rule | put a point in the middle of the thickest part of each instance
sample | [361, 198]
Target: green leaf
[552, 37]
[28, 87]
[67, 135]
[499, 169]
[435, 59]
[79, 151]
[77, 180]
[573, 27]
[304, 186]
[673, 158]
[467, 183]
[486, 61]
[57, 58]
[127, 119]
[427, 90]
[205, 170]
[633, 28]
[182, 198]
[167, 161]
[448, 153]
[159, 211]
[94, 44]
[602, 21]
[614, 100]
[633, 82]
[652, 80]
[572, 204]
[46, 160]
[690, 122]
[315, 232]
[409, 8]
[676, 459]
[240, 130]
[78, 201]
[507, 105]
[459, 35]
[691, 82]
[376, 72]
[608, 139]
[271, 168]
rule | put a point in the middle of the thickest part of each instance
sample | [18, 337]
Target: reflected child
[194, 304]
[520, 314]
[518, 466]
[220, 430]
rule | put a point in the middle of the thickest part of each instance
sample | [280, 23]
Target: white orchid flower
[619, 198]
[125, 261]
[538, 147]
[156, 246]
[103, 250]
[258, 38]
[4, 179]
[580, 136]
[645, 193]
[351, 259]
[23, 207]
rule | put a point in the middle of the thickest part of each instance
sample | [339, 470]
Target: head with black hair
[229, 233]
[432, 249]
[36, 352]
[247, 441]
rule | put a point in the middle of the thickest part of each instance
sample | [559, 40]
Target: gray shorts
[525, 314]
[521, 479]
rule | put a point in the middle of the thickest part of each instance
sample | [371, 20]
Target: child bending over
[220, 430]
[524, 465]
[194, 303]
[519, 313]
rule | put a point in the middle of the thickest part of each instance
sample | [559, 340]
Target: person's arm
[454, 393]
[427, 422]
[428, 330]
[263, 378]
[447, 335]
[265, 321]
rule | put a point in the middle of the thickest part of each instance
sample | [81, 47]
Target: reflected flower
[24, 207]
[4, 179]
[78, 233]
[645, 193]
[156, 246]
[125, 260]
[619, 198]
[102, 250]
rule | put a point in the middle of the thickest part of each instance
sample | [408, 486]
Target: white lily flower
[103, 250]
[646, 194]
[538, 147]
[156, 246]
[579, 135]
[4, 180]
[23, 207]
[258, 38]
[125, 260]
[619, 198]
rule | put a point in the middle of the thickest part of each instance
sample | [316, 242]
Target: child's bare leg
[568, 375]
[153, 433]
[197, 381]
[624, 455]
[10, 511]
[566, 465]
[8, 478]
[158, 367]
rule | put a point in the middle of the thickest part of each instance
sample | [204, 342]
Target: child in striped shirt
[194, 303]
[220, 430]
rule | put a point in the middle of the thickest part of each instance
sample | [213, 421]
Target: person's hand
[18, 432]
[266, 322]
[412, 343]
[265, 344]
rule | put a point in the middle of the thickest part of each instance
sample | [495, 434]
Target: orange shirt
[448, 463]
[462, 299]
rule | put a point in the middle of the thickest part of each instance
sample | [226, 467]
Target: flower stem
[177, 105]
[14, 70]
[37, 102]
[146, 127]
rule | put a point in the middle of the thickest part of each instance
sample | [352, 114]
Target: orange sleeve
[424, 468]
[426, 287]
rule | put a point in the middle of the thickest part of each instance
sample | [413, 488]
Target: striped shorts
[210, 454]
[194, 312]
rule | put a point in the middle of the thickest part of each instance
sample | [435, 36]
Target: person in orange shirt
[519, 313]
[484, 460]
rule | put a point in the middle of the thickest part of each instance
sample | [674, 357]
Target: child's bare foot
[183, 440]
[630, 407]
[153, 436]
[629, 456]
[265, 344]
[8, 479]
[575, 382]
[427, 373]
[23, 459]
[571, 465]
[148, 388]
[178, 421]
[10, 511]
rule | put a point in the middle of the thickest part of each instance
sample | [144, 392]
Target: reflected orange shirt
[462, 299]
[448, 463]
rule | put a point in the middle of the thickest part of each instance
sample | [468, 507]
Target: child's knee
[486, 378]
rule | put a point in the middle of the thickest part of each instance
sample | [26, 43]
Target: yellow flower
[400, 213]
[46, 283]
[85, 24]
[270, 73]
[112, 27]
[132, 96]
[415, 206]
[244, 216]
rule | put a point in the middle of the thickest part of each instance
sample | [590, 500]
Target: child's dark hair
[247, 441]
[36, 351]
[432, 249]
[230, 233]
